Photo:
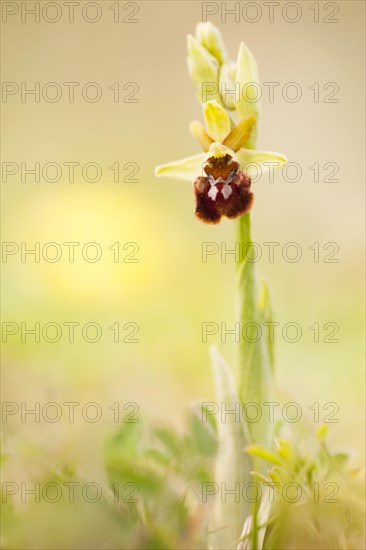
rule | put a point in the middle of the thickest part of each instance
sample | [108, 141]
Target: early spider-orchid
[221, 174]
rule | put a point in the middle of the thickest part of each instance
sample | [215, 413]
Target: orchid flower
[221, 174]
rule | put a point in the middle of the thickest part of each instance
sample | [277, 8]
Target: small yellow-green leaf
[274, 475]
[285, 449]
[321, 432]
[340, 459]
[261, 452]
[217, 121]
[261, 478]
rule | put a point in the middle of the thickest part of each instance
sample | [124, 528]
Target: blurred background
[170, 291]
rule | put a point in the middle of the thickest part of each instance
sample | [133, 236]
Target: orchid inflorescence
[222, 174]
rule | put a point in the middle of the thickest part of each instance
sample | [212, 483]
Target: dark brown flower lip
[222, 191]
[230, 198]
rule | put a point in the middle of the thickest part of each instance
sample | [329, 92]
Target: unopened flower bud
[228, 91]
[204, 71]
[247, 76]
[210, 37]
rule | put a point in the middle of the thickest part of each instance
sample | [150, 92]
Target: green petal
[248, 78]
[217, 121]
[255, 163]
[204, 71]
[240, 134]
[187, 169]
[210, 38]
[200, 133]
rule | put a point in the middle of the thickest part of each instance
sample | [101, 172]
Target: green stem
[254, 365]
[254, 355]
[248, 299]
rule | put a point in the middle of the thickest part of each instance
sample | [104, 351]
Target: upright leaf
[233, 466]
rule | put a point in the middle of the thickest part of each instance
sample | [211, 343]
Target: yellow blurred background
[170, 291]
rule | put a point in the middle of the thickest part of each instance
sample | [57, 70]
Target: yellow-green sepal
[187, 169]
[255, 163]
